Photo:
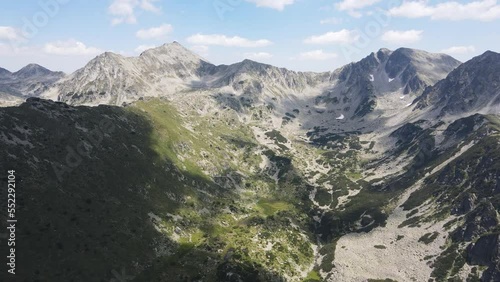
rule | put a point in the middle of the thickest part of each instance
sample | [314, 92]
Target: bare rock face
[486, 252]
[480, 221]
[419, 69]
[360, 88]
[466, 205]
[492, 274]
[473, 86]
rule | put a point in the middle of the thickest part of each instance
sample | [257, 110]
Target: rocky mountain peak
[32, 70]
[249, 65]
[472, 86]
[31, 80]
[107, 58]
[486, 58]
[171, 52]
[383, 54]
[489, 53]
[419, 69]
[384, 51]
[4, 73]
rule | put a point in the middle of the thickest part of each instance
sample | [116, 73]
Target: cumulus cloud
[8, 33]
[273, 4]
[459, 50]
[223, 40]
[14, 50]
[123, 11]
[147, 5]
[258, 56]
[343, 36]
[352, 7]
[159, 32]
[484, 10]
[69, 47]
[402, 36]
[201, 50]
[317, 55]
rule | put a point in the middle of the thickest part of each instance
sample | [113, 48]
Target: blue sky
[305, 35]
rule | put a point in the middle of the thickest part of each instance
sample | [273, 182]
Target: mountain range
[30, 81]
[166, 167]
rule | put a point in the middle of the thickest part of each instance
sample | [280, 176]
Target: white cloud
[484, 10]
[331, 21]
[69, 48]
[458, 50]
[317, 55]
[223, 40]
[17, 50]
[258, 56]
[412, 10]
[349, 5]
[123, 11]
[147, 5]
[8, 33]
[273, 4]
[142, 48]
[343, 36]
[352, 7]
[201, 50]
[159, 32]
[402, 36]
[6, 50]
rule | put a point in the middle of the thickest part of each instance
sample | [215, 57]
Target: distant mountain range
[114, 79]
[30, 81]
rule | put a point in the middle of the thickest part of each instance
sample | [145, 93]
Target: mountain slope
[30, 81]
[383, 79]
[472, 87]
[4, 73]
[418, 69]
[113, 79]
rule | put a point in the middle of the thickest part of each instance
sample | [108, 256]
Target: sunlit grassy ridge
[246, 222]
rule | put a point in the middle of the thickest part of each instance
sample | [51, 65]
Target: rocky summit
[166, 167]
[30, 81]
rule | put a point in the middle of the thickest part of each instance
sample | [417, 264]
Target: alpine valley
[165, 167]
